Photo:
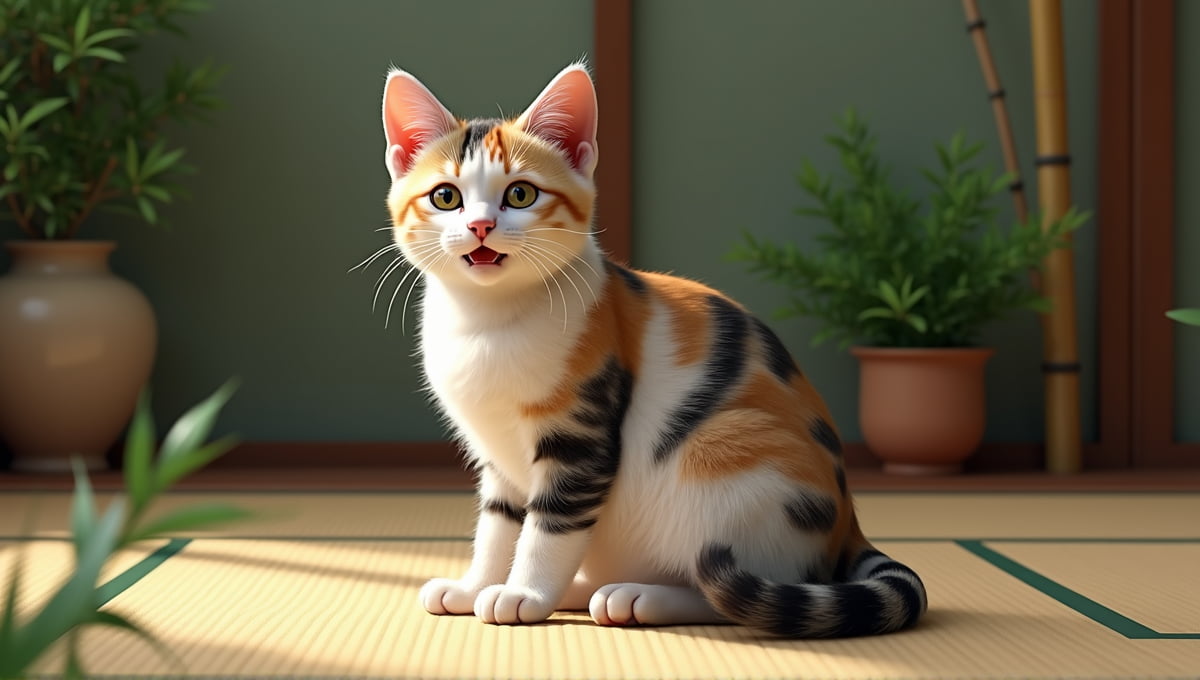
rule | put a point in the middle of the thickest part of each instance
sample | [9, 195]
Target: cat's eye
[445, 197]
[520, 195]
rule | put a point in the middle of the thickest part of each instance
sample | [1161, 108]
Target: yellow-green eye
[445, 197]
[520, 195]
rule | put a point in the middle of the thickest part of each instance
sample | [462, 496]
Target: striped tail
[879, 595]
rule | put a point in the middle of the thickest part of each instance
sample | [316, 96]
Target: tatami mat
[324, 585]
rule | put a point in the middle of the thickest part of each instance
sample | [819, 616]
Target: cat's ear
[564, 114]
[412, 117]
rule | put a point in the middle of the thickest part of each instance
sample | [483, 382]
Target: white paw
[616, 604]
[512, 604]
[642, 604]
[447, 596]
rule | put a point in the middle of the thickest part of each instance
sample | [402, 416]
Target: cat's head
[487, 201]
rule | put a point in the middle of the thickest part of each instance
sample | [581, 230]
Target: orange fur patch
[493, 143]
[687, 303]
[615, 328]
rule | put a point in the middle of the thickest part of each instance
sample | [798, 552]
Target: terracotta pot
[922, 411]
[77, 347]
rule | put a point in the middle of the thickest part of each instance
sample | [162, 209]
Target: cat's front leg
[553, 541]
[500, 517]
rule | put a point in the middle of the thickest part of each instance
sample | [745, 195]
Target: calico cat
[646, 449]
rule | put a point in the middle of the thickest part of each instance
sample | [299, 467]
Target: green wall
[1187, 218]
[730, 96]
[252, 278]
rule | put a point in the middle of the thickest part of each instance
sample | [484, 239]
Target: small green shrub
[889, 274]
[77, 130]
[76, 603]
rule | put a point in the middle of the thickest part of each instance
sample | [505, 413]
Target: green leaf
[190, 518]
[876, 313]
[11, 170]
[156, 192]
[157, 163]
[170, 471]
[146, 208]
[103, 53]
[76, 599]
[55, 42]
[1190, 317]
[131, 160]
[105, 35]
[83, 506]
[139, 450]
[9, 69]
[81, 25]
[193, 427]
[61, 61]
[42, 109]
[917, 322]
[889, 295]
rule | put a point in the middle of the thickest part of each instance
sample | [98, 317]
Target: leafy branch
[73, 113]
[891, 274]
[97, 538]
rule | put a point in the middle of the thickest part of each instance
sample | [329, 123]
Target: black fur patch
[476, 131]
[566, 448]
[861, 609]
[778, 358]
[790, 604]
[841, 480]
[737, 592]
[811, 511]
[585, 458]
[727, 362]
[631, 279]
[823, 433]
[505, 509]
[910, 597]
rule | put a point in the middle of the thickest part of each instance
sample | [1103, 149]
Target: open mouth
[484, 256]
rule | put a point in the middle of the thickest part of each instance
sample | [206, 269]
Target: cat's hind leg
[641, 604]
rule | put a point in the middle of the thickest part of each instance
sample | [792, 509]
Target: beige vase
[76, 346]
[922, 411]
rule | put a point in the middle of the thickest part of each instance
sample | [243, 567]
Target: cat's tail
[878, 595]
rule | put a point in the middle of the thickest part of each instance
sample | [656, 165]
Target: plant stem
[20, 217]
[93, 197]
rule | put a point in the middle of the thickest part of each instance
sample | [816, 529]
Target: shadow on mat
[398, 575]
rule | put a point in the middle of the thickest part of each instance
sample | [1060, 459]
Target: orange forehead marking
[494, 144]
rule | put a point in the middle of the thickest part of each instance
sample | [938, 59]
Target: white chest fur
[486, 359]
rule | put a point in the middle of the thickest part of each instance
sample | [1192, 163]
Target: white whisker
[568, 252]
[569, 231]
[570, 279]
[541, 268]
[367, 262]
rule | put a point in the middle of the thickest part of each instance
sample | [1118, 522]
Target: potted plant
[913, 287]
[80, 133]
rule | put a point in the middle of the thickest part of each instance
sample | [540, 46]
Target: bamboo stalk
[1061, 360]
[976, 26]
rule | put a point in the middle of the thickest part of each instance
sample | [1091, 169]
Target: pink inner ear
[565, 114]
[412, 117]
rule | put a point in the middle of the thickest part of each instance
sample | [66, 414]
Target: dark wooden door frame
[1136, 221]
[613, 71]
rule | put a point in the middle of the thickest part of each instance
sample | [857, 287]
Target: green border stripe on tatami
[125, 580]
[1086, 606]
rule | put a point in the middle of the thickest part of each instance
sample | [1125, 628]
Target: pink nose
[481, 228]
